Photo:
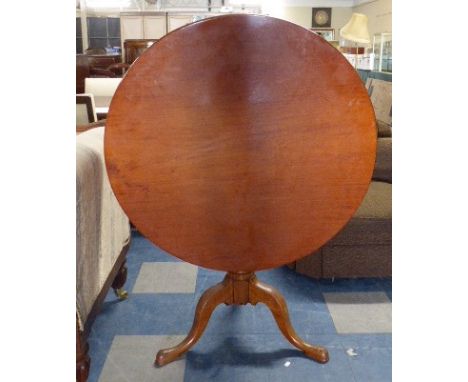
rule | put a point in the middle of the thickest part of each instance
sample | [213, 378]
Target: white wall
[379, 13]
[340, 16]
[303, 16]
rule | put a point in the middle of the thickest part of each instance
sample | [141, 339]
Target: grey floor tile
[360, 312]
[131, 358]
[165, 277]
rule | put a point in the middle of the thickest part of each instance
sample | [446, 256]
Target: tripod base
[240, 289]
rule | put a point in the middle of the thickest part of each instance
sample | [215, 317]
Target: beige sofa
[102, 239]
[363, 248]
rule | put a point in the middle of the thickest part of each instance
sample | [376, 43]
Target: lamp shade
[356, 29]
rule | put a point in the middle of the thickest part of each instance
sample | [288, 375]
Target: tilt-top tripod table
[240, 143]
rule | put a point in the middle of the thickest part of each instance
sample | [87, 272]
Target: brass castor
[121, 293]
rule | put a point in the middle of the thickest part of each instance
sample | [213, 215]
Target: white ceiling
[302, 3]
[188, 3]
[322, 3]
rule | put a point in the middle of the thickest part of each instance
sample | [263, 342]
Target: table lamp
[356, 31]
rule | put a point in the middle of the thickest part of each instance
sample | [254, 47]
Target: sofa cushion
[380, 93]
[377, 203]
[383, 162]
[384, 130]
[372, 222]
[357, 261]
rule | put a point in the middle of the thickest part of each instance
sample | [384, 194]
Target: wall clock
[321, 17]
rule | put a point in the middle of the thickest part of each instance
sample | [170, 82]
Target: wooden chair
[85, 109]
[85, 68]
[103, 90]
[118, 69]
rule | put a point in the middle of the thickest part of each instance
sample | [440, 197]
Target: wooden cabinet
[154, 27]
[175, 21]
[143, 26]
[131, 27]
[148, 26]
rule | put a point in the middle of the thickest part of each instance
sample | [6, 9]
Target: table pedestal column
[240, 289]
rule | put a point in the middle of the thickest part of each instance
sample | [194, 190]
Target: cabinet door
[154, 26]
[131, 27]
[176, 21]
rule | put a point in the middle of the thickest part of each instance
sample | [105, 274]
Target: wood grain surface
[240, 142]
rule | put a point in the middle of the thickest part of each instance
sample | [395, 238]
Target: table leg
[208, 302]
[260, 292]
[240, 289]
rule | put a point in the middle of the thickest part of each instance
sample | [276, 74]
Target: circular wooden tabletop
[240, 142]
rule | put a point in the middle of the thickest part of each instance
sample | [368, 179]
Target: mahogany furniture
[118, 69]
[103, 60]
[82, 71]
[134, 48]
[102, 65]
[240, 143]
[85, 69]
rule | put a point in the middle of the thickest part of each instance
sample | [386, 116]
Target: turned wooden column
[240, 143]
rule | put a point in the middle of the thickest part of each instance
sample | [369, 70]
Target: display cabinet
[382, 48]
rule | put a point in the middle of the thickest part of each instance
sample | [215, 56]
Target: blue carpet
[243, 343]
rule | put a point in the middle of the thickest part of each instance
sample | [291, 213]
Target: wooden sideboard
[102, 61]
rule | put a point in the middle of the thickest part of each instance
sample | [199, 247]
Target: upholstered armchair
[102, 240]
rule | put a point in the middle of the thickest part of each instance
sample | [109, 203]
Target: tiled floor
[351, 317]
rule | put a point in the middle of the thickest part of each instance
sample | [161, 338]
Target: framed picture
[321, 17]
[326, 33]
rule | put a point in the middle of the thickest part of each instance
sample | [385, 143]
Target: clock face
[321, 17]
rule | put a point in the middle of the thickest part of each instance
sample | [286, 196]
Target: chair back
[82, 71]
[118, 69]
[102, 89]
[85, 109]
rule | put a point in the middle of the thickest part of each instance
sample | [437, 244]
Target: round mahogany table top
[240, 142]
